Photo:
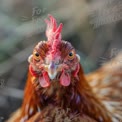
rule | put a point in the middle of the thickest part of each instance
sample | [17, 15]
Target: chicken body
[106, 83]
[56, 81]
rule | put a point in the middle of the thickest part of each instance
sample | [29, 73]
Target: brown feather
[107, 86]
[57, 114]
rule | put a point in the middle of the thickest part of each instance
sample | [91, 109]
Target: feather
[106, 84]
[56, 114]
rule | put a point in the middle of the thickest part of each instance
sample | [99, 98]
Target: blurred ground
[94, 27]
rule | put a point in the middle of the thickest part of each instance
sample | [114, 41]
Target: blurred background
[94, 27]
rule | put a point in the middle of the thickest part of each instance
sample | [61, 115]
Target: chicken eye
[36, 56]
[71, 55]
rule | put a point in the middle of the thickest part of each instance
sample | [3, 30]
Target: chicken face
[49, 65]
[54, 58]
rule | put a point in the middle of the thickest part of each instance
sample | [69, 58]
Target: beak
[52, 70]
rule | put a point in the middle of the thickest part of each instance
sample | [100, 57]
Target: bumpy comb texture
[53, 32]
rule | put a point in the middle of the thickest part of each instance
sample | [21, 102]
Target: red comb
[53, 32]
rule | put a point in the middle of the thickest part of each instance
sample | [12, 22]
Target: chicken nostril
[52, 65]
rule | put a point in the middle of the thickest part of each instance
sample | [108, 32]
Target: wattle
[44, 80]
[65, 79]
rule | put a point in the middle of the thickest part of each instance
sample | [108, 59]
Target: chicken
[56, 81]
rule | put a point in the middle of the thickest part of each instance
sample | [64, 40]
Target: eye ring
[36, 55]
[71, 55]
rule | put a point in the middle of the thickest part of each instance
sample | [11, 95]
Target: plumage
[56, 114]
[56, 81]
[106, 83]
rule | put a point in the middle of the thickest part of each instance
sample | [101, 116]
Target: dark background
[94, 28]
